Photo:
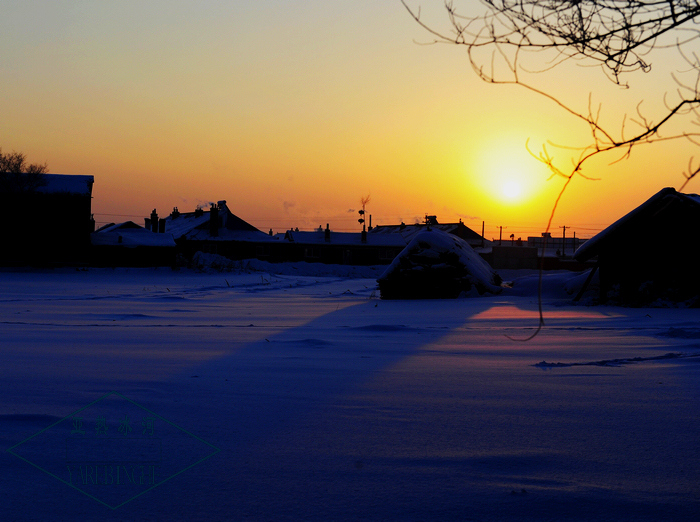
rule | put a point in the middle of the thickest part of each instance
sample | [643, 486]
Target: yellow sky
[293, 111]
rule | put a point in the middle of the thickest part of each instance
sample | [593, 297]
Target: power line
[116, 215]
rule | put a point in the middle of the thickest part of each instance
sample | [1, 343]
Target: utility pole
[563, 242]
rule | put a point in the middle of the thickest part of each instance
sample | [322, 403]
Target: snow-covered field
[302, 396]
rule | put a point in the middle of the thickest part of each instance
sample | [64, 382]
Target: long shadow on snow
[270, 384]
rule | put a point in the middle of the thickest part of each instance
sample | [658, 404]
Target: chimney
[175, 213]
[154, 221]
[327, 234]
[223, 214]
[214, 220]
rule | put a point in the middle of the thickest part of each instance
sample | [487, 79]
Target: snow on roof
[118, 226]
[186, 222]
[128, 236]
[410, 231]
[657, 202]
[224, 234]
[72, 184]
[195, 226]
[318, 237]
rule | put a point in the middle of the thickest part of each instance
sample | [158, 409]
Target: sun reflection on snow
[513, 312]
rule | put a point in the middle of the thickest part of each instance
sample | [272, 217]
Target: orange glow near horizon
[179, 105]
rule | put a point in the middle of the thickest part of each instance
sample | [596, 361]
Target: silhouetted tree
[17, 176]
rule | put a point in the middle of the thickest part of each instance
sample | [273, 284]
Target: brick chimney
[327, 234]
[154, 221]
[214, 220]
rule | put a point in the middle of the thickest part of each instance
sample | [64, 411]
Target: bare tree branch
[618, 35]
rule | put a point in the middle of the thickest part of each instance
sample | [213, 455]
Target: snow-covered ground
[299, 395]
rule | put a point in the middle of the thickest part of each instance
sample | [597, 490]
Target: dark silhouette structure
[48, 220]
[651, 252]
[343, 248]
[128, 244]
[459, 229]
[214, 231]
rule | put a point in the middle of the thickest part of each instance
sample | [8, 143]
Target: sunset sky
[293, 111]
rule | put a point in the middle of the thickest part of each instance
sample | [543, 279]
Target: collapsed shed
[437, 265]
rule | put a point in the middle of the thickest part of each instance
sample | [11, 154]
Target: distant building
[128, 244]
[651, 252]
[215, 230]
[408, 232]
[49, 223]
[564, 245]
[513, 257]
[342, 248]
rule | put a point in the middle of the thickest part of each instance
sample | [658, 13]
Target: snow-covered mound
[436, 265]
[205, 261]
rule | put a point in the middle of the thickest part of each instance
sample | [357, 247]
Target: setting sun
[507, 174]
[511, 189]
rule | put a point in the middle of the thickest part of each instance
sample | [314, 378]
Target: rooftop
[69, 183]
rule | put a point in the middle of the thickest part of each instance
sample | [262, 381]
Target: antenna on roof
[364, 202]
